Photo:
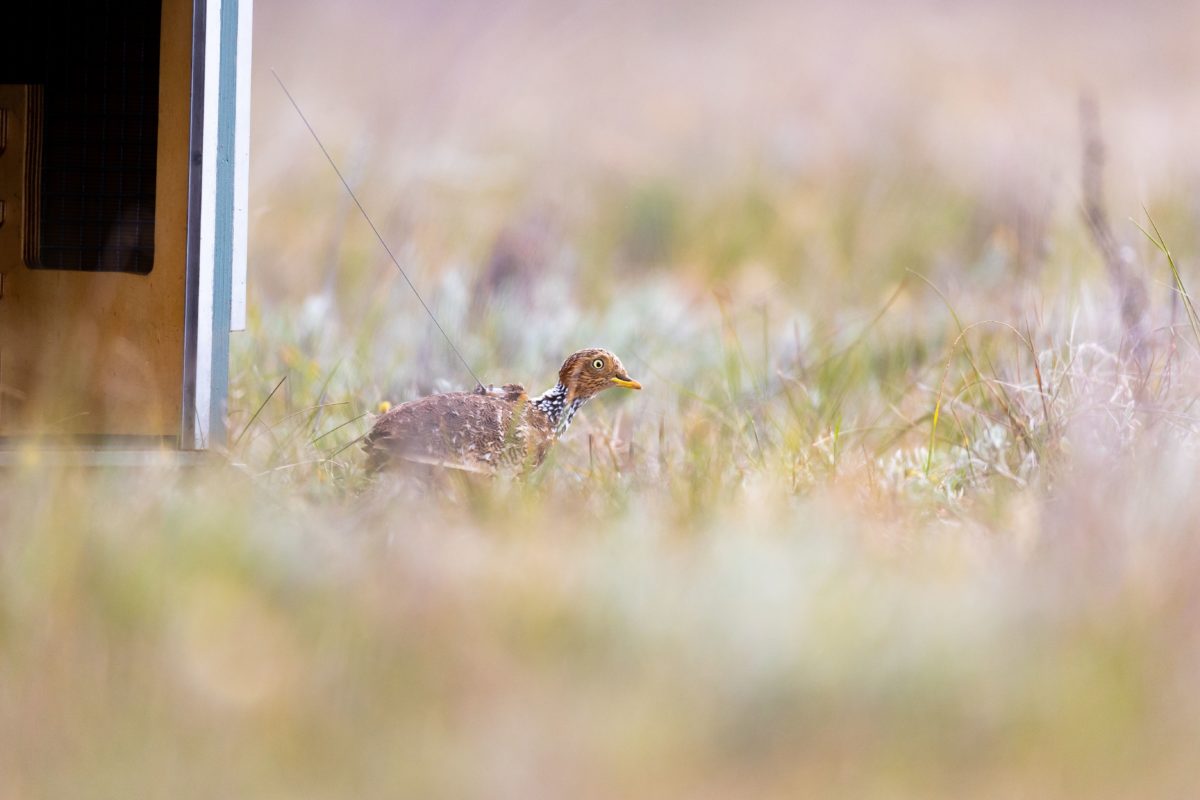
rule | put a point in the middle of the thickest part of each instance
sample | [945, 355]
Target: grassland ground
[906, 507]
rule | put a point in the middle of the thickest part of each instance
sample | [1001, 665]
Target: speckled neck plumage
[553, 403]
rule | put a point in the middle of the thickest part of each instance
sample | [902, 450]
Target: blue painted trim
[223, 225]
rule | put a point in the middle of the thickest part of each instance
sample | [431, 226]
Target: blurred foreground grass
[901, 512]
[202, 635]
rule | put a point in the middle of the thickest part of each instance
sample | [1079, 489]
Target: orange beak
[626, 382]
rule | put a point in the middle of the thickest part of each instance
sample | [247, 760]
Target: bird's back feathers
[482, 431]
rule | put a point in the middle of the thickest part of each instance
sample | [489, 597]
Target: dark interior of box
[90, 185]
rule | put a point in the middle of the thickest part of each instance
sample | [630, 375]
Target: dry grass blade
[257, 412]
[1159, 242]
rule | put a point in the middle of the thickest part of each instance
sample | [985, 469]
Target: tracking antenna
[378, 235]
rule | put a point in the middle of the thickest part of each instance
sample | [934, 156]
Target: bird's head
[589, 372]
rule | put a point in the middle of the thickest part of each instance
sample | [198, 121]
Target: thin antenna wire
[378, 235]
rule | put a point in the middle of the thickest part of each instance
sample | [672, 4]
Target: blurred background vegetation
[906, 508]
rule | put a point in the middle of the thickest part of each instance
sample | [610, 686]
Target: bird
[491, 429]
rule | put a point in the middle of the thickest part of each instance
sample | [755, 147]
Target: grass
[896, 514]
[845, 553]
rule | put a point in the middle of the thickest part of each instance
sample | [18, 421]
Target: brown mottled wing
[480, 431]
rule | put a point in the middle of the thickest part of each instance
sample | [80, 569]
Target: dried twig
[1118, 259]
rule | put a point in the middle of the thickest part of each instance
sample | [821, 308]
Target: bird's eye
[598, 363]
